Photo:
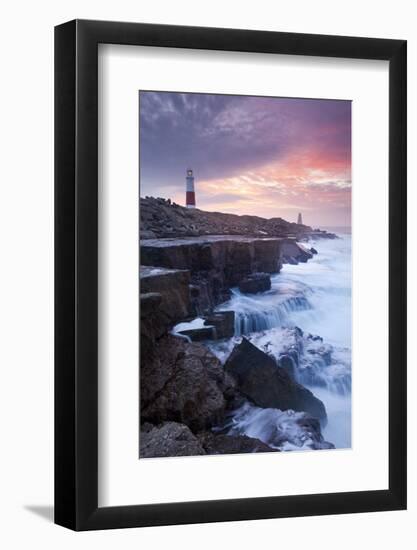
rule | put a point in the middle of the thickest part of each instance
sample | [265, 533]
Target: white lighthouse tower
[300, 219]
[190, 193]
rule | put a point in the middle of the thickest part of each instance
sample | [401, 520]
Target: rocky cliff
[159, 218]
[164, 301]
[188, 267]
[217, 263]
[184, 392]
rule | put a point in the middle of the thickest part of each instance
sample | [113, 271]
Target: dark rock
[223, 322]
[256, 282]
[215, 263]
[183, 382]
[322, 234]
[259, 378]
[285, 430]
[286, 362]
[199, 334]
[311, 358]
[304, 254]
[165, 219]
[215, 444]
[194, 291]
[306, 433]
[153, 321]
[149, 303]
[218, 325]
[147, 234]
[294, 251]
[173, 287]
[311, 426]
[313, 250]
[164, 301]
[169, 439]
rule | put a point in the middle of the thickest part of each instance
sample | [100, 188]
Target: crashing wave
[309, 360]
[283, 430]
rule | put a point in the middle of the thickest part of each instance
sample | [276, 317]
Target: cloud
[246, 151]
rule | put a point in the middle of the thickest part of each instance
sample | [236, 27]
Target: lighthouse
[300, 219]
[190, 194]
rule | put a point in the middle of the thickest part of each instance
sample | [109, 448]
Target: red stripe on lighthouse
[190, 198]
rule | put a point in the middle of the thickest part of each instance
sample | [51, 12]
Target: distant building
[190, 193]
[300, 219]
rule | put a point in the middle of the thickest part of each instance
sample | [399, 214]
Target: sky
[265, 156]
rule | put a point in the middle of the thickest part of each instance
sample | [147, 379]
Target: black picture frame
[76, 271]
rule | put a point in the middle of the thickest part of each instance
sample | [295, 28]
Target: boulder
[216, 326]
[292, 252]
[168, 439]
[313, 250]
[256, 282]
[284, 430]
[286, 362]
[199, 334]
[304, 254]
[259, 378]
[164, 301]
[215, 444]
[183, 382]
[223, 323]
[311, 428]
[173, 287]
[314, 362]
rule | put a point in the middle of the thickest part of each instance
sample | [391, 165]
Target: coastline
[209, 299]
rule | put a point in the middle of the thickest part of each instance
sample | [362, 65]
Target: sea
[315, 297]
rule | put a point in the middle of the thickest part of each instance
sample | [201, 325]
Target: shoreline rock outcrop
[216, 326]
[260, 379]
[285, 430]
[161, 218]
[168, 439]
[183, 382]
[306, 358]
[171, 439]
[217, 263]
[164, 301]
[254, 283]
[215, 444]
[223, 323]
[293, 252]
[190, 260]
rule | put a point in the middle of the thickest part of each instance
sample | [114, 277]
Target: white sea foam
[283, 430]
[315, 296]
[328, 277]
[190, 325]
